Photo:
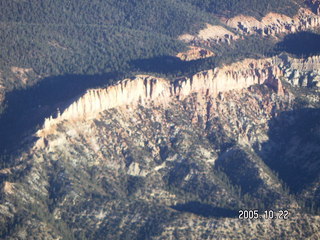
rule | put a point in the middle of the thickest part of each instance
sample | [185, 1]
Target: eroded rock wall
[145, 89]
[274, 23]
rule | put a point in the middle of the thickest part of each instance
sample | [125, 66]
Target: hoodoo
[144, 89]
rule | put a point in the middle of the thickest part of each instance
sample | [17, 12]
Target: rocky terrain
[212, 115]
[152, 159]
[195, 53]
[209, 35]
[273, 23]
[143, 89]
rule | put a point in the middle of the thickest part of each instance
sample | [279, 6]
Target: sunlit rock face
[195, 53]
[154, 141]
[145, 89]
[270, 25]
[210, 35]
[274, 23]
[301, 72]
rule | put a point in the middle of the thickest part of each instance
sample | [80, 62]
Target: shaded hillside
[293, 149]
[301, 44]
[26, 109]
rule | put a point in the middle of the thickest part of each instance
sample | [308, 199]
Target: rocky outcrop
[195, 53]
[270, 25]
[107, 167]
[301, 72]
[274, 23]
[145, 89]
[141, 89]
[22, 74]
[235, 76]
[209, 36]
[8, 188]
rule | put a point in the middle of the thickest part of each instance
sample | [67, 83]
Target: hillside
[152, 119]
[72, 37]
[255, 8]
[145, 159]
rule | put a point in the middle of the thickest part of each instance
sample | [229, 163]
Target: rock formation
[301, 72]
[270, 25]
[105, 175]
[146, 89]
[195, 53]
[22, 73]
[209, 36]
[274, 23]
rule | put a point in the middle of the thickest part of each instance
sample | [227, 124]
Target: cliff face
[274, 23]
[129, 91]
[118, 166]
[117, 154]
[301, 72]
[146, 89]
[270, 25]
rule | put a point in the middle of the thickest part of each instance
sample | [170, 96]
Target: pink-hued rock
[146, 89]
[275, 23]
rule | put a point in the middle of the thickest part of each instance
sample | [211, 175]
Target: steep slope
[173, 152]
[146, 89]
[299, 72]
[150, 159]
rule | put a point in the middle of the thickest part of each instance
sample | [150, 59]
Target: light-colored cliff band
[145, 89]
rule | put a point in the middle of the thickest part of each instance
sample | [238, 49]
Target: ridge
[144, 89]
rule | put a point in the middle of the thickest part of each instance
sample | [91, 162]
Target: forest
[255, 8]
[93, 37]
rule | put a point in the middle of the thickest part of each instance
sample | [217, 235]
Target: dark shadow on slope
[205, 210]
[27, 109]
[301, 44]
[245, 175]
[293, 149]
[172, 66]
